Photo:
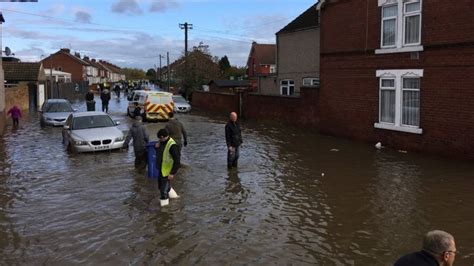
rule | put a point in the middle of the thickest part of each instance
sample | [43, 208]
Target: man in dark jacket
[90, 101]
[176, 130]
[168, 161]
[438, 249]
[105, 97]
[140, 139]
[233, 138]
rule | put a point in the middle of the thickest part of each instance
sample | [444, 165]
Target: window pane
[306, 81]
[389, 28]
[411, 108]
[387, 106]
[284, 90]
[389, 11]
[291, 82]
[412, 7]
[390, 83]
[284, 82]
[412, 29]
[292, 90]
[411, 83]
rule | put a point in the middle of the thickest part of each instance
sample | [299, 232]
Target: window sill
[407, 49]
[413, 130]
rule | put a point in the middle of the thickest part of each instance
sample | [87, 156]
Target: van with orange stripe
[154, 105]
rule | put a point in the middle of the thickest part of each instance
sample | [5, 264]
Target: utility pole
[161, 78]
[168, 68]
[186, 26]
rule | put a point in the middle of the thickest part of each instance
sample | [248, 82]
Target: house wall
[268, 85]
[298, 56]
[349, 104]
[215, 102]
[67, 64]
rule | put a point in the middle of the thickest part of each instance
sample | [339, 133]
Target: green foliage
[224, 64]
[134, 73]
[151, 74]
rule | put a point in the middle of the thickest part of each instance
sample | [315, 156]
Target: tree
[133, 73]
[151, 74]
[224, 64]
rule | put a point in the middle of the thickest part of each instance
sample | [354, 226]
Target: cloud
[160, 6]
[29, 35]
[129, 7]
[83, 17]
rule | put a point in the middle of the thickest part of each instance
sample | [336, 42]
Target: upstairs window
[311, 82]
[400, 26]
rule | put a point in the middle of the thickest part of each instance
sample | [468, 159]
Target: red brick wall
[349, 87]
[67, 64]
[215, 102]
[300, 111]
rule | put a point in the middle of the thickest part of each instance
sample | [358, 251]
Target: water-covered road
[368, 208]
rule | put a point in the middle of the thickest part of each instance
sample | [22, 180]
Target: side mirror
[117, 123]
[66, 127]
[74, 110]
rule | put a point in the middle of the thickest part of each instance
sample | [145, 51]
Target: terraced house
[400, 72]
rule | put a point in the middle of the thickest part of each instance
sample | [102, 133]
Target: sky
[134, 33]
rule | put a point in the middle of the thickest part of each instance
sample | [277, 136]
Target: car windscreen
[159, 99]
[179, 100]
[57, 107]
[95, 121]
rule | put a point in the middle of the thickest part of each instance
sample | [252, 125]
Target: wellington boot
[172, 194]
[164, 202]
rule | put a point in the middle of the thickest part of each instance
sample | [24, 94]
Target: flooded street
[296, 198]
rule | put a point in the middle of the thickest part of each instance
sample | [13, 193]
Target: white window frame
[313, 82]
[400, 46]
[381, 28]
[287, 86]
[398, 75]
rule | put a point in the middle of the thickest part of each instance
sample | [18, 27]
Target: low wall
[301, 111]
[17, 95]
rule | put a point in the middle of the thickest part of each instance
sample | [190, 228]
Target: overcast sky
[133, 33]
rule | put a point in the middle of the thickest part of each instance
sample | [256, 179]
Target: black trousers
[141, 160]
[165, 186]
[90, 105]
[105, 107]
[233, 157]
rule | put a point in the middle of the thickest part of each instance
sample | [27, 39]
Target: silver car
[54, 112]
[92, 131]
[180, 104]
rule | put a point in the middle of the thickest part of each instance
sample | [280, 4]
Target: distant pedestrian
[15, 113]
[140, 139]
[105, 97]
[438, 248]
[176, 130]
[90, 102]
[137, 111]
[168, 161]
[233, 138]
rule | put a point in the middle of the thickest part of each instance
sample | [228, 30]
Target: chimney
[93, 60]
[66, 50]
[86, 58]
[77, 54]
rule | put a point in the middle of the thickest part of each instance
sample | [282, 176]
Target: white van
[154, 105]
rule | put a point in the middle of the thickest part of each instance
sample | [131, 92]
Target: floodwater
[297, 198]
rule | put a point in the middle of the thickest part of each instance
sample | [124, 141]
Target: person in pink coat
[15, 113]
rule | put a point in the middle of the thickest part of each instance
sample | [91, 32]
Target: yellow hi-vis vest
[167, 163]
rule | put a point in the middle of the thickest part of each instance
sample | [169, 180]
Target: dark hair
[162, 133]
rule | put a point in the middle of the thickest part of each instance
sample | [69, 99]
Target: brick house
[298, 53]
[228, 86]
[261, 63]
[400, 72]
[63, 60]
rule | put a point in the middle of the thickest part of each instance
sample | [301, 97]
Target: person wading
[140, 139]
[438, 248]
[168, 161]
[90, 101]
[105, 97]
[233, 138]
[176, 130]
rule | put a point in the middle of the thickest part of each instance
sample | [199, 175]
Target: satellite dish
[8, 52]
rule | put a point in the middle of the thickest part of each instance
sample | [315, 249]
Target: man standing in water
[233, 138]
[140, 139]
[176, 130]
[438, 249]
[168, 163]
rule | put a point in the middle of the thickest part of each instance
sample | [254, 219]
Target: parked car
[54, 112]
[92, 131]
[180, 104]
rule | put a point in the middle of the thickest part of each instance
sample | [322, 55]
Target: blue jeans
[165, 187]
